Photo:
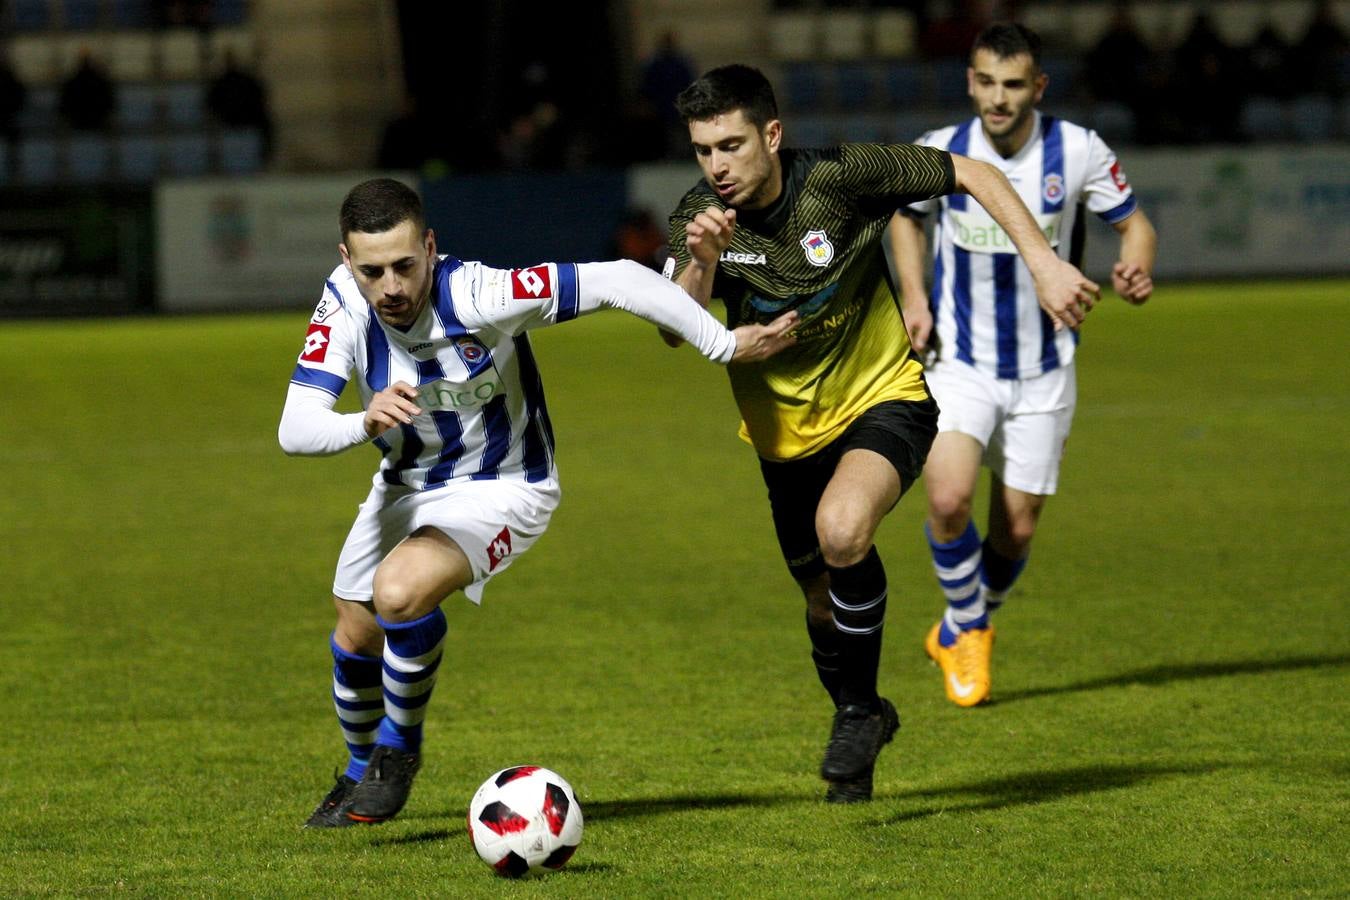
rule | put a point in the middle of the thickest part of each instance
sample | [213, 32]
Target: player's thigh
[424, 569]
[882, 454]
[492, 523]
[952, 472]
[1029, 446]
[864, 488]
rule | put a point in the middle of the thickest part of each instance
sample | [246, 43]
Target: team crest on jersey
[819, 250]
[1053, 188]
[316, 343]
[1118, 176]
[531, 284]
[470, 350]
[499, 549]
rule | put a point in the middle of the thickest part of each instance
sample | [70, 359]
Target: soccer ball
[525, 819]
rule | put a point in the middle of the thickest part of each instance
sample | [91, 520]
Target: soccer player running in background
[1001, 372]
[453, 401]
[842, 421]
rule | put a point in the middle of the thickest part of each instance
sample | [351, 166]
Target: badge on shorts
[499, 549]
[819, 250]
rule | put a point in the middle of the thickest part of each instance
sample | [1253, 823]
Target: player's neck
[1010, 144]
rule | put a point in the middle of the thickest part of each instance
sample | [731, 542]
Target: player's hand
[919, 324]
[1066, 294]
[391, 407]
[755, 343]
[708, 234]
[1131, 282]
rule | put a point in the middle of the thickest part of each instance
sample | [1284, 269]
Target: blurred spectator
[1209, 106]
[1119, 63]
[639, 237]
[86, 100]
[1319, 57]
[182, 13]
[238, 99]
[12, 96]
[1124, 68]
[405, 143]
[664, 74]
[952, 31]
[1267, 64]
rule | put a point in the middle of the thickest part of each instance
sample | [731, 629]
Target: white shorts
[493, 522]
[1022, 424]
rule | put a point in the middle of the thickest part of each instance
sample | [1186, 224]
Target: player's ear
[970, 81]
[1042, 82]
[429, 239]
[346, 256]
[773, 135]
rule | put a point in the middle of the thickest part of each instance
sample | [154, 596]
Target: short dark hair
[728, 88]
[1007, 39]
[379, 205]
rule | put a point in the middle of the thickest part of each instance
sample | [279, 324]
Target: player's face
[739, 160]
[393, 270]
[1006, 91]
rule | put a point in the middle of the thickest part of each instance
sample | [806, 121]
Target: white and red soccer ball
[525, 819]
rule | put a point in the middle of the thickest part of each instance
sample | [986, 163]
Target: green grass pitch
[1170, 678]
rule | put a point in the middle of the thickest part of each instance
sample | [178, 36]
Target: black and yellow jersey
[817, 250]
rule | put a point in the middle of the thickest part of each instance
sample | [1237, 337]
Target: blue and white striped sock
[359, 700]
[412, 654]
[958, 571]
[999, 574]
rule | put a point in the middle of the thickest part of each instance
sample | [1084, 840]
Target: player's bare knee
[948, 513]
[397, 597]
[844, 541]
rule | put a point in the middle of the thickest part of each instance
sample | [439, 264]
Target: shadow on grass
[1181, 672]
[1036, 786]
[595, 810]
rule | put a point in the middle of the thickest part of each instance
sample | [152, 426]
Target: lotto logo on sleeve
[1118, 176]
[531, 284]
[499, 549]
[316, 343]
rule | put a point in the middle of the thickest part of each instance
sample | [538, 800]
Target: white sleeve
[311, 427]
[514, 300]
[1106, 190]
[636, 289]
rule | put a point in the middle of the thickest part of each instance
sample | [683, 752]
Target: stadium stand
[161, 71]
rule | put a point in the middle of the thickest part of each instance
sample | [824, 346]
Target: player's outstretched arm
[756, 343]
[705, 237]
[1063, 292]
[1132, 275]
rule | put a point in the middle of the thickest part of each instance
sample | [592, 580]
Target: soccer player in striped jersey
[841, 421]
[1002, 373]
[452, 399]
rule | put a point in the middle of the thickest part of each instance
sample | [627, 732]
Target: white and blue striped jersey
[482, 399]
[983, 298]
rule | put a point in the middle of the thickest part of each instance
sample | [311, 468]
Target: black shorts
[900, 430]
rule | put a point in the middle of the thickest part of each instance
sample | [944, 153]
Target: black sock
[858, 593]
[825, 654]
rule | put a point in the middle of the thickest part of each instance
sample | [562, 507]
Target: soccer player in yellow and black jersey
[842, 421]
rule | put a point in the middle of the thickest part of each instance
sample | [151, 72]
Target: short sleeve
[1106, 190]
[328, 352]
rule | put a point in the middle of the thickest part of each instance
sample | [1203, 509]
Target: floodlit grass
[1170, 677]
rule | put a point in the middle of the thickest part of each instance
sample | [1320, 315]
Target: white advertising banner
[248, 244]
[1223, 213]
